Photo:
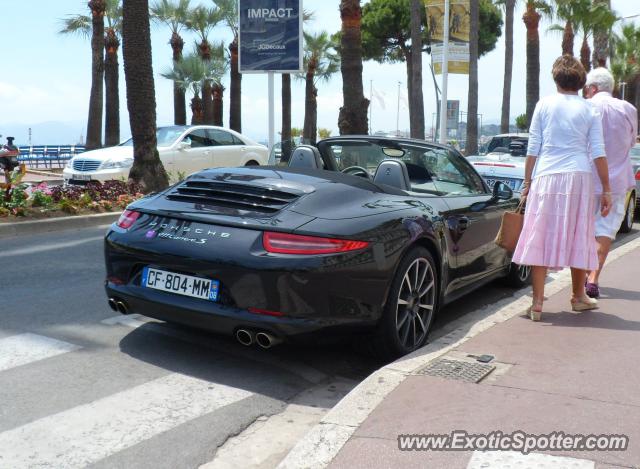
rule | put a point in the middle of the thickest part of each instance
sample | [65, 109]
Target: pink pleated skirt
[559, 223]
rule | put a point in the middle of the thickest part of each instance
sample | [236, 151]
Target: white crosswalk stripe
[132, 320]
[88, 433]
[22, 349]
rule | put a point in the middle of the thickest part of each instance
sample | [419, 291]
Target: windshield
[166, 136]
[517, 146]
[432, 170]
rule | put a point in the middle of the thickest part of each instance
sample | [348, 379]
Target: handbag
[510, 228]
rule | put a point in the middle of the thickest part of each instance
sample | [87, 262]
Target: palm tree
[285, 134]
[94, 121]
[352, 118]
[509, 8]
[141, 96]
[82, 25]
[320, 62]
[471, 145]
[601, 40]
[202, 20]
[174, 14]
[531, 19]
[592, 16]
[416, 106]
[229, 11]
[625, 65]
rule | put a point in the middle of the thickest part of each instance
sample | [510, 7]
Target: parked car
[376, 244]
[506, 164]
[504, 161]
[635, 161]
[185, 149]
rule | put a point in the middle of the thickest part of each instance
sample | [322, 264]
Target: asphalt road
[81, 386]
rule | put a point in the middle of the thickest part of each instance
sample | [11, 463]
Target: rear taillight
[127, 219]
[283, 243]
[637, 175]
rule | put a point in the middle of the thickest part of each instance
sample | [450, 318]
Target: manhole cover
[455, 369]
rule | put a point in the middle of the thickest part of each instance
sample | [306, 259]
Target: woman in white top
[565, 135]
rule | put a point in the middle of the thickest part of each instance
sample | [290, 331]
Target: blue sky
[45, 77]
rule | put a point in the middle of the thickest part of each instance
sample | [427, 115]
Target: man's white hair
[602, 78]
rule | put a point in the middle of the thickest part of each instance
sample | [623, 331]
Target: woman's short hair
[602, 78]
[568, 73]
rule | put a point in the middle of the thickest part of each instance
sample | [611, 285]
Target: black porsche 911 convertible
[356, 235]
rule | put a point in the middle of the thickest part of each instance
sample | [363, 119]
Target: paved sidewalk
[572, 372]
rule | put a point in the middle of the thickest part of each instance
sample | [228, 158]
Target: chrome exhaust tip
[122, 308]
[113, 304]
[245, 337]
[266, 340]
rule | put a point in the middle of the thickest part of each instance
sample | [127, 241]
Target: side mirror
[501, 191]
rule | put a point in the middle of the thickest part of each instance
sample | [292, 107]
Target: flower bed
[43, 201]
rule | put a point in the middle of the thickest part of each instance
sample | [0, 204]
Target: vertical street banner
[270, 36]
[459, 25]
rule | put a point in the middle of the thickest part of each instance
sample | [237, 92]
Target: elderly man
[620, 126]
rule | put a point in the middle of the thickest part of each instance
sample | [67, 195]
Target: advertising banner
[270, 36]
[459, 25]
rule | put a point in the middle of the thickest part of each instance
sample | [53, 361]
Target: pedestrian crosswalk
[98, 427]
[22, 349]
[88, 433]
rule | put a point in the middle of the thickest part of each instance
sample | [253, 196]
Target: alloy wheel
[415, 304]
[523, 272]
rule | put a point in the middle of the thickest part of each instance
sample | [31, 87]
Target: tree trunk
[94, 121]
[352, 118]
[235, 98]
[409, 63]
[508, 66]
[601, 41]
[531, 20]
[310, 107]
[585, 54]
[179, 99]
[217, 105]
[112, 92]
[141, 96]
[471, 145]
[416, 99]
[197, 116]
[285, 136]
[567, 38]
[204, 49]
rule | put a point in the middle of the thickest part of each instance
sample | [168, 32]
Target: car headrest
[393, 173]
[306, 156]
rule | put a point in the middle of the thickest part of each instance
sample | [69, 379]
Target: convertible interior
[413, 168]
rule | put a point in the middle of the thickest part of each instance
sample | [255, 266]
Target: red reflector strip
[265, 312]
[637, 175]
[115, 280]
[500, 165]
[127, 219]
[284, 243]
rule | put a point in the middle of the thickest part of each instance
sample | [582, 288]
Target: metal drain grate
[456, 369]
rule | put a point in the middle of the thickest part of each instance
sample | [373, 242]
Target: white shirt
[565, 135]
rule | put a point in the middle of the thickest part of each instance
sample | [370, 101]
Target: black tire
[519, 276]
[391, 340]
[629, 215]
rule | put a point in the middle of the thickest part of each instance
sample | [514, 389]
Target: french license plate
[81, 177]
[187, 285]
[509, 182]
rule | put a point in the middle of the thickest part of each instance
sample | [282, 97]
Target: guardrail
[48, 155]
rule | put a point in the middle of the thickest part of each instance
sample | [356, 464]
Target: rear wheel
[627, 223]
[519, 275]
[410, 307]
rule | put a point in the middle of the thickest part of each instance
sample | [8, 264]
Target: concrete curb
[322, 444]
[56, 224]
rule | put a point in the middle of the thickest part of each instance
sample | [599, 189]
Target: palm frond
[77, 24]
